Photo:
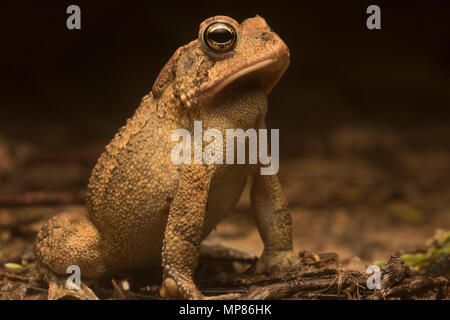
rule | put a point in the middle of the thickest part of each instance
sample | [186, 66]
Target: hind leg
[60, 244]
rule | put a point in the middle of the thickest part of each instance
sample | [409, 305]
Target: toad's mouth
[266, 73]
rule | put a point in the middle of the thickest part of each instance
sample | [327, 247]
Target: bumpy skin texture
[143, 209]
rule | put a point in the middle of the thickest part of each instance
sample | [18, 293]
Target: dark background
[363, 114]
[66, 88]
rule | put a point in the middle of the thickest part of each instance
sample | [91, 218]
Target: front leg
[274, 222]
[184, 233]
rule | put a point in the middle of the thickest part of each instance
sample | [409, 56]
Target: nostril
[265, 36]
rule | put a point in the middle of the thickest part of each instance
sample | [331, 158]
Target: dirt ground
[358, 193]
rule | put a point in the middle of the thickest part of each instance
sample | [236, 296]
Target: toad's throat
[266, 72]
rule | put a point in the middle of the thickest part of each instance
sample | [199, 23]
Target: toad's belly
[225, 190]
[137, 202]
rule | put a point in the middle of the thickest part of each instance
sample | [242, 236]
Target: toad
[144, 209]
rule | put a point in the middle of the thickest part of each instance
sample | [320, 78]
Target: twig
[118, 290]
[16, 276]
[87, 154]
[42, 198]
[285, 289]
[334, 281]
[260, 280]
[38, 289]
[416, 286]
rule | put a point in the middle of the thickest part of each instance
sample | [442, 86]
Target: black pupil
[220, 35]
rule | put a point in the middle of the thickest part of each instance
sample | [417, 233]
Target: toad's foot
[177, 286]
[58, 289]
[277, 261]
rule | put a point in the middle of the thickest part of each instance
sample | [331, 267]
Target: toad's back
[134, 180]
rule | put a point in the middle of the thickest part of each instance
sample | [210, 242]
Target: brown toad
[144, 209]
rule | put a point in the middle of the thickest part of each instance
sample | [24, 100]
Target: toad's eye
[220, 37]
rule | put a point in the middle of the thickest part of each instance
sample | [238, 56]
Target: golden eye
[220, 37]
